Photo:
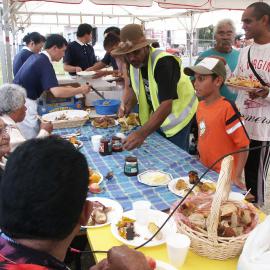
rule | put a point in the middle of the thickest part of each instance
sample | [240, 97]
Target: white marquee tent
[18, 14]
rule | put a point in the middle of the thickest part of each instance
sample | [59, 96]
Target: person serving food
[37, 75]
[166, 97]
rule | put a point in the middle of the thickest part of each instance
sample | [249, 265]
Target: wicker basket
[69, 123]
[71, 119]
[208, 243]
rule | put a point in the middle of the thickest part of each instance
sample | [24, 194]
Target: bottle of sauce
[131, 166]
[105, 147]
[116, 144]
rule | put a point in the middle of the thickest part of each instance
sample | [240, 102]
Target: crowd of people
[170, 100]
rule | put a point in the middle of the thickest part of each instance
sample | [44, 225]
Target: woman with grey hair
[12, 111]
[224, 34]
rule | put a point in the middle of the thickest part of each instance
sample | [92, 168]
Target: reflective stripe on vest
[177, 120]
[137, 72]
[174, 121]
[137, 81]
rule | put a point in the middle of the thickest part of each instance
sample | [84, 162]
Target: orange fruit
[94, 178]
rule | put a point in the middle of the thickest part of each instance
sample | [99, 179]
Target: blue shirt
[19, 59]
[231, 59]
[109, 60]
[36, 75]
[82, 56]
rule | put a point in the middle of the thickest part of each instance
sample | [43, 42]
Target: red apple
[94, 188]
[151, 262]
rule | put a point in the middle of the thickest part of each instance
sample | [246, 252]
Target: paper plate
[79, 145]
[236, 196]
[110, 78]
[182, 192]
[68, 115]
[155, 216]
[86, 74]
[242, 88]
[115, 124]
[117, 210]
[154, 178]
[164, 266]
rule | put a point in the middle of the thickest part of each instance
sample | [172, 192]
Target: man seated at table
[13, 111]
[43, 205]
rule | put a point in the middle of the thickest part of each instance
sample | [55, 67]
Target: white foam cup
[141, 211]
[95, 139]
[177, 247]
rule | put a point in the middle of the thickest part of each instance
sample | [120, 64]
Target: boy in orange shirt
[220, 128]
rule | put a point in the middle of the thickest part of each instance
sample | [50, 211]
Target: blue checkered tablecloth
[155, 153]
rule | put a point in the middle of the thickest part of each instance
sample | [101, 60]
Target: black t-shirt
[167, 74]
[79, 55]
[109, 60]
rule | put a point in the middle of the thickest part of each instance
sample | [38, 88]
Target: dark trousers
[256, 170]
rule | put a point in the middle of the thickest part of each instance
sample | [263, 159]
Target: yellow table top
[102, 239]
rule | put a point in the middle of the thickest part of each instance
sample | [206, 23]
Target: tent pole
[6, 30]
[2, 49]
[191, 38]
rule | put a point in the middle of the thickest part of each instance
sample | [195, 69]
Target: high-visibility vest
[183, 108]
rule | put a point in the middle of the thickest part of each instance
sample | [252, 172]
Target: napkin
[256, 251]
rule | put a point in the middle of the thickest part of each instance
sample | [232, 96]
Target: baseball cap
[207, 66]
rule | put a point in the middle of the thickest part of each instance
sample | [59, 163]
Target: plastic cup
[95, 139]
[177, 247]
[141, 210]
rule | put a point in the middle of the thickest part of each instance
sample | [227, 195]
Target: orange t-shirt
[219, 131]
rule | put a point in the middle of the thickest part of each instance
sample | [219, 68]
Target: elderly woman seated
[12, 111]
[4, 146]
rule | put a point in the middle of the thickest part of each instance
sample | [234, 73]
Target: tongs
[96, 91]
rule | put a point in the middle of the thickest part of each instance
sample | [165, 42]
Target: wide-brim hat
[132, 38]
[209, 65]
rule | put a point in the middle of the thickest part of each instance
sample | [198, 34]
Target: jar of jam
[105, 147]
[116, 144]
[131, 166]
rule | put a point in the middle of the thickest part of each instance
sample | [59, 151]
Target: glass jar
[105, 147]
[117, 144]
[131, 166]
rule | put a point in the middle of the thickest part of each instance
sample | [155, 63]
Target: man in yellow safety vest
[166, 97]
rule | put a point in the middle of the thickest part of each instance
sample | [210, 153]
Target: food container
[208, 243]
[131, 166]
[66, 118]
[106, 106]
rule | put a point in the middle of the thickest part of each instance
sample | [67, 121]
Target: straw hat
[132, 38]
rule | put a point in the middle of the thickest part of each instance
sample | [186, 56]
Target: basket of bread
[66, 118]
[217, 227]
